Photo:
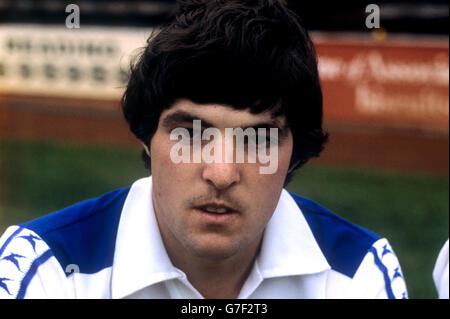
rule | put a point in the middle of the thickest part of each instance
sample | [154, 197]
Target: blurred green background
[64, 94]
[412, 211]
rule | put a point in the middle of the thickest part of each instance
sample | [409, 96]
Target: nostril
[221, 175]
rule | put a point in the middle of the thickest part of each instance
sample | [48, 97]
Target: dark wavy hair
[253, 54]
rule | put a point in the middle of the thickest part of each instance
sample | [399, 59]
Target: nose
[221, 175]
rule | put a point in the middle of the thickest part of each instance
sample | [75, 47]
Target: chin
[214, 250]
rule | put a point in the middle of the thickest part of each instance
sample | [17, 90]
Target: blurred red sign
[395, 83]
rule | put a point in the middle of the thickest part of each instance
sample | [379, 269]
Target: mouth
[216, 212]
[216, 208]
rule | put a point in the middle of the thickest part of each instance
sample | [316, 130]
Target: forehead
[219, 115]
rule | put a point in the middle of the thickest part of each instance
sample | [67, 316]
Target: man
[206, 223]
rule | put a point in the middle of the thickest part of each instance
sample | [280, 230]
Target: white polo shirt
[111, 247]
[441, 272]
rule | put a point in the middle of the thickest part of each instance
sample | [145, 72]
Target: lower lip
[216, 218]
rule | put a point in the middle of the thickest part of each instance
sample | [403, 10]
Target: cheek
[159, 149]
[268, 187]
[161, 163]
[163, 174]
[271, 185]
[284, 159]
[169, 179]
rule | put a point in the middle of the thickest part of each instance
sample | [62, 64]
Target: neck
[218, 278]
[213, 277]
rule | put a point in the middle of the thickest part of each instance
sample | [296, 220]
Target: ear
[147, 150]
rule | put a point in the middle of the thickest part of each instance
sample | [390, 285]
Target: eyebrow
[182, 117]
[179, 117]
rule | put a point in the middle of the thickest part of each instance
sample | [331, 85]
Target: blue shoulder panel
[343, 244]
[83, 234]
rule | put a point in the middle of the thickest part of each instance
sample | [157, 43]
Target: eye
[258, 140]
[189, 132]
[195, 133]
[180, 133]
[266, 141]
[262, 140]
[271, 141]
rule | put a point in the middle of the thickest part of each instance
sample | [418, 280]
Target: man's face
[214, 210]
